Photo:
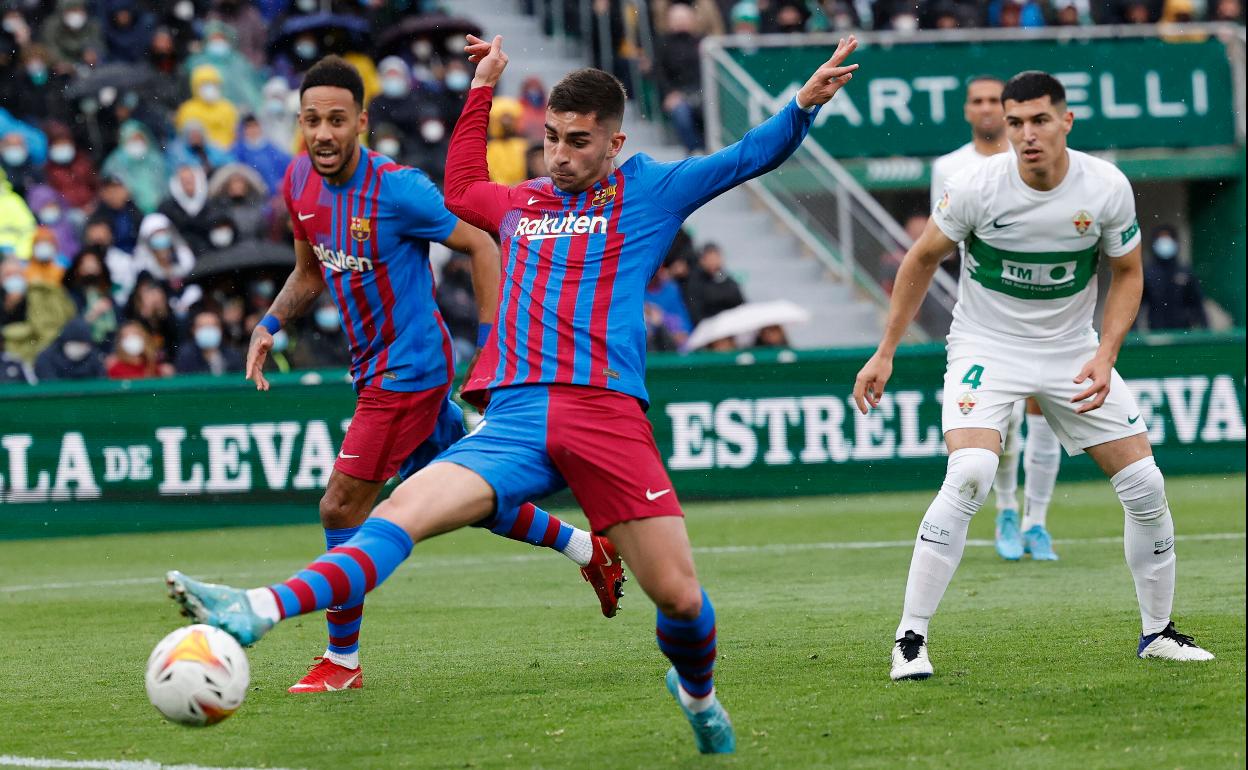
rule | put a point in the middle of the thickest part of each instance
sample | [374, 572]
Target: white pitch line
[104, 764]
[470, 561]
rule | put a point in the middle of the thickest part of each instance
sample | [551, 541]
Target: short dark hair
[982, 79]
[337, 72]
[1033, 84]
[588, 91]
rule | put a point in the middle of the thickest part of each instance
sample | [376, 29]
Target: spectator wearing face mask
[204, 352]
[455, 82]
[278, 113]
[678, 71]
[209, 107]
[1172, 295]
[240, 81]
[428, 150]
[98, 235]
[17, 223]
[35, 92]
[149, 305]
[52, 211]
[134, 356]
[69, 171]
[13, 369]
[71, 35]
[127, 29]
[31, 314]
[321, 343]
[71, 356]
[15, 161]
[248, 24]
[222, 233]
[187, 206]
[162, 252]
[139, 165]
[90, 287]
[238, 192]
[256, 151]
[36, 141]
[47, 263]
[398, 104]
[192, 147]
[532, 122]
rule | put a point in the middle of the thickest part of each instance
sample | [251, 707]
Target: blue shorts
[447, 429]
[538, 439]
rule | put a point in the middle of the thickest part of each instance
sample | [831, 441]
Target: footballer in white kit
[1042, 454]
[1035, 225]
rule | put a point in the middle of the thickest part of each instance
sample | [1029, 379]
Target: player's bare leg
[1148, 541]
[1042, 457]
[657, 551]
[941, 541]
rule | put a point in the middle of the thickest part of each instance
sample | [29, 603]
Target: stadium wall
[195, 452]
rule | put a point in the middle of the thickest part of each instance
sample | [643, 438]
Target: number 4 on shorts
[972, 376]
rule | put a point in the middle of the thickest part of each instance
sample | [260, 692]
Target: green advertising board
[906, 100]
[202, 452]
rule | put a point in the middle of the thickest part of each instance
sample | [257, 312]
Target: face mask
[136, 148]
[132, 345]
[264, 289]
[62, 153]
[218, 47]
[394, 87]
[12, 24]
[14, 155]
[422, 49]
[208, 337]
[305, 50]
[50, 215]
[44, 251]
[221, 237]
[161, 241]
[275, 106]
[76, 351]
[458, 80]
[432, 131]
[307, 6]
[15, 284]
[210, 92]
[253, 144]
[388, 147]
[1165, 248]
[326, 318]
[280, 341]
[905, 23]
[76, 19]
[535, 97]
[184, 10]
[38, 72]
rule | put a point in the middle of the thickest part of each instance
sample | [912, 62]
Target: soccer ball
[197, 676]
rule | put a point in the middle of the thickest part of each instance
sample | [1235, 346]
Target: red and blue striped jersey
[371, 236]
[575, 265]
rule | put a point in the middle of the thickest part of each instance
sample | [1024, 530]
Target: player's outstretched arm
[1122, 302]
[910, 287]
[301, 289]
[470, 195]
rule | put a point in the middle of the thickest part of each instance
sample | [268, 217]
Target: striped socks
[536, 527]
[342, 576]
[343, 621]
[690, 646]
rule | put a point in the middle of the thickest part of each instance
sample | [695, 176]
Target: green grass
[482, 653]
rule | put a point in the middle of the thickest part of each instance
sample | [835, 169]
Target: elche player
[564, 365]
[1042, 452]
[1035, 224]
[362, 228]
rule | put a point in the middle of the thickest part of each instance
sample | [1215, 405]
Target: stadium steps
[765, 257]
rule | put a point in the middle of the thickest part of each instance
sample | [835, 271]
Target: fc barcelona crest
[1082, 221]
[361, 228]
[603, 196]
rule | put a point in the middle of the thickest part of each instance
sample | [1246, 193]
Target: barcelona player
[563, 368]
[362, 225]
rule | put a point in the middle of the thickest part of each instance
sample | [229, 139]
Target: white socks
[1005, 484]
[351, 660]
[264, 603]
[580, 547]
[1148, 540]
[696, 705]
[1042, 457]
[942, 535]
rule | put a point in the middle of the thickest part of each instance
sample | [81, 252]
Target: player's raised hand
[489, 58]
[1098, 370]
[257, 353]
[831, 75]
[869, 385]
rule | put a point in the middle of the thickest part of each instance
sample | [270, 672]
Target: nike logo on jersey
[346, 456]
[531, 201]
[306, 217]
[652, 496]
[997, 223]
[1132, 420]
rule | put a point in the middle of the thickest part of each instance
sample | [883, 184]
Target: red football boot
[605, 573]
[327, 676]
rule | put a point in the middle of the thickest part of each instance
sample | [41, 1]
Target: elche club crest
[967, 402]
[361, 228]
[1082, 221]
[603, 196]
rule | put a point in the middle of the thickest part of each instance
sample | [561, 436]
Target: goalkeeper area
[483, 653]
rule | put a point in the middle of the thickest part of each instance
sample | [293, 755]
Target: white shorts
[985, 378]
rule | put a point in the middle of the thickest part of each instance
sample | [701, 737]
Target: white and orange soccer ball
[197, 676]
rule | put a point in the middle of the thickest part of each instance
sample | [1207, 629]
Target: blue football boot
[1009, 536]
[712, 729]
[221, 606]
[1036, 541]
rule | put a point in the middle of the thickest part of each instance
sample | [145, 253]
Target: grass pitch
[482, 653]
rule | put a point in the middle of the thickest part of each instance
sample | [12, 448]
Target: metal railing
[817, 199]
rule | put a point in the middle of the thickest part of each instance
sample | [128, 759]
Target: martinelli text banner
[204, 452]
[906, 100]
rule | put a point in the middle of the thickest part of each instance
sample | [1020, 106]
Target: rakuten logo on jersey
[340, 261]
[557, 226]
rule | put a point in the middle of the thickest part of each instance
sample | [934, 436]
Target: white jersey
[1029, 272]
[946, 166]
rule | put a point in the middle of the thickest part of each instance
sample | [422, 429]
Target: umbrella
[119, 77]
[445, 32]
[746, 319]
[244, 255]
[354, 31]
